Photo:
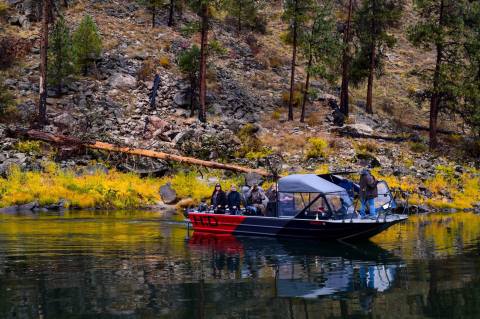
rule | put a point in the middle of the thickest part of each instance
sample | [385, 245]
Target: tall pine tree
[372, 22]
[321, 47]
[87, 44]
[441, 27]
[203, 9]
[60, 55]
[296, 13]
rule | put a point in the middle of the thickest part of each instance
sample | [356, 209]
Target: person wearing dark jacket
[368, 193]
[219, 199]
[233, 200]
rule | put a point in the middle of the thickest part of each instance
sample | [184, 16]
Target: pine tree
[244, 11]
[470, 107]
[7, 99]
[441, 27]
[372, 22]
[42, 104]
[153, 6]
[203, 8]
[296, 13]
[60, 55]
[189, 62]
[321, 47]
[346, 57]
[87, 44]
[174, 5]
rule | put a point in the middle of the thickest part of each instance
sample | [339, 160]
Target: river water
[142, 265]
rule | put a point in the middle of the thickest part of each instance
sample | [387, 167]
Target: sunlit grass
[112, 190]
[97, 190]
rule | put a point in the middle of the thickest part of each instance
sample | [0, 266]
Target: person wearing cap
[218, 199]
[368, 193]
[256, 198]
[233, 200]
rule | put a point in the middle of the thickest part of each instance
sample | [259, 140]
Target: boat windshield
[340, 203]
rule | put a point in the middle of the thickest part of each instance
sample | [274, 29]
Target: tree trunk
[371, 72]
[239, 18]
[193, 81]
[344, 108]
[203, 64]
[170, 13]
[70, 141]
[154, 10]
[307, 86]
[42, 105]
[435, 99]
[370, 80]
[294, 58]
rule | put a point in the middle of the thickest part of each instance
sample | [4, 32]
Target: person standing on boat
[233, 200]
[219, 199]
[368, 193]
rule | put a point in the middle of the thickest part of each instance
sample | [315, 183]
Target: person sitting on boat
[233, 200]
[271, 194]
[368, 193]
[219, 199]
[256, 198]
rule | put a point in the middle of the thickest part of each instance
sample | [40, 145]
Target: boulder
[64, 120]
[122, 81]
[155, 123]
[181, 99]
[168, 194]
[355, 130]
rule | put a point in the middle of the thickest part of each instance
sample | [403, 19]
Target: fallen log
[67, 140]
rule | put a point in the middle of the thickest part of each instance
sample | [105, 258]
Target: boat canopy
[307, 183]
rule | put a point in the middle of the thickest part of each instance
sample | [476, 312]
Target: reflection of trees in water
[257, 278]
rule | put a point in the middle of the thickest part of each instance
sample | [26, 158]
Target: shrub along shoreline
[81, 188]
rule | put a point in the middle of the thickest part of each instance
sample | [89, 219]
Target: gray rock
[27, 207]
[122, 81]
[64, 120]
[355, 130]
[168, 194]
[181, 99]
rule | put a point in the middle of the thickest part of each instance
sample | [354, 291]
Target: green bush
[7, 100]
[418, 147]
[249, 140]
[60, 54]
[190, 28]
[317, 148]
[87, 44]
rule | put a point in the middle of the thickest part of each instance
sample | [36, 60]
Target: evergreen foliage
[60, 54]
[296, 14]
[372, 22]
[244, 12]
[152, 6]
[7, 100]
[321, 47]
[470, 108]
[442, 27]
[87, 44]
[189, 64]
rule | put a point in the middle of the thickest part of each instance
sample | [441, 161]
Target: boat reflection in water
[305, 269]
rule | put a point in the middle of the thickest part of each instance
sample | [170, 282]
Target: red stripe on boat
[215, 223]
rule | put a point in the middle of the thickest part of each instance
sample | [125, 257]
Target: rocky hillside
[247, 82]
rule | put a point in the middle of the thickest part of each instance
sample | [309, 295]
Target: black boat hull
[293, 227]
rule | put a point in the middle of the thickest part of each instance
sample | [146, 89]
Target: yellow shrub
[317, 148]
[165, 62]
[437, 184]
[111, 190]
[3, 8]
[276, 114]
[29, 147]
